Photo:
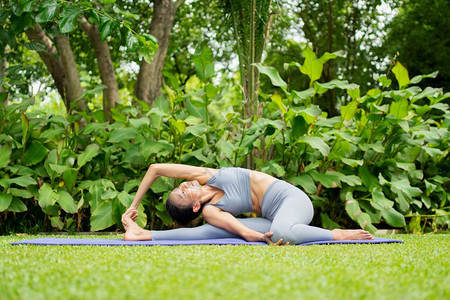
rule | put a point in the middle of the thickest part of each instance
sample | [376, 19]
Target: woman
[222, 194]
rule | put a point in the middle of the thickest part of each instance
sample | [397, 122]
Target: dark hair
[181, 214]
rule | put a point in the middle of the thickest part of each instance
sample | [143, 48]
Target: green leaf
[131, 41]
[34, 154]
[352, 162]
[106, 28]
[23, 181]
[68, 18]
[125, 198]
[403, 186]
[299, 126]
[317, 143]
[312, 66]
[102, 217]
[393, 217]
[161, 185]
[69, 176]
[5, 201]
[369, 180]
[380, 202]
[327, 222]
[5, 155]
[66, 202]
[17, 205]
[21, 193]
[399, 109]
[328, 179]
[272, 167]
[304, 94]
[47, 11]
[401, 74]
[385, 82]
[351, 180]
[109, 194]
[306, 182]
[85, 157]
[25, 125]
[38, 47]
[327, 56]
[120, 134]
[58, 168]
[348, 111]
[203, 55]
[273, 74]
[47, 196]
[26, 5]
[161, 148]
[147, 52]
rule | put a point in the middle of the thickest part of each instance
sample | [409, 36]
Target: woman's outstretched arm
[222, 219]
[200, 174]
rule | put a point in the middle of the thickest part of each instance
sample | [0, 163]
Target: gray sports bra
[235, 183]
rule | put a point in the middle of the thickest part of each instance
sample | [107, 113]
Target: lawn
[417, 269]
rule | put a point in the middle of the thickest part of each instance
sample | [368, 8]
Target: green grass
[418, 269]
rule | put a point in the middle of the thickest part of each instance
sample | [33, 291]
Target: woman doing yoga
[222, 194]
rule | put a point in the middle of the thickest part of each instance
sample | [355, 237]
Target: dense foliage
[381, 161]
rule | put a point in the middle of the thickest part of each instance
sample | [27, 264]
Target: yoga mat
[229, 241]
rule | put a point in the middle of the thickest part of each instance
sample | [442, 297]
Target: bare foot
[351, 234]
[134, 232]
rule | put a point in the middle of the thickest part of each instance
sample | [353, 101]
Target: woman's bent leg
[291, 222]
[208, 231]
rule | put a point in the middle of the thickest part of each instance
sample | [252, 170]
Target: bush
[382, 161]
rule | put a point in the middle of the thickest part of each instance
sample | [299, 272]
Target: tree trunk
[73, 85]
[51, 59]
[3, 66]
[149, 80]
[328, 70]
[105, 66]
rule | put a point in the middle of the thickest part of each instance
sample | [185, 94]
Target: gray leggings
[286, 211]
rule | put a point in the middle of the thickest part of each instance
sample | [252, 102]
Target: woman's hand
[133, 214]
[267, 239]
[254, 236]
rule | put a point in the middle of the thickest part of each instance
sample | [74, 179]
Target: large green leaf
[306, 182]
[401, 74]
[316, 143]
[369, 180]
[152, 148]
[399, 109]
[47, 196]
[5, 154]
[66, 202]
[393, 217]
[5, 201]
[379, 201]
[403, 186]
[17, 205]
[69, 177]
[68, 18]
[328, 179]
[23, 181]
[34, 154]
[272, 73]
[88, 154]
[47, 11]
[312, 66]
[120, 134]
[348, 111]
[273, 168]
[102, 217]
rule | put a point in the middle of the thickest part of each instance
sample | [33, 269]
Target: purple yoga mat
[230, 241]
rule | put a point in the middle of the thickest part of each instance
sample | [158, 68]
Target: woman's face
[187, 193]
